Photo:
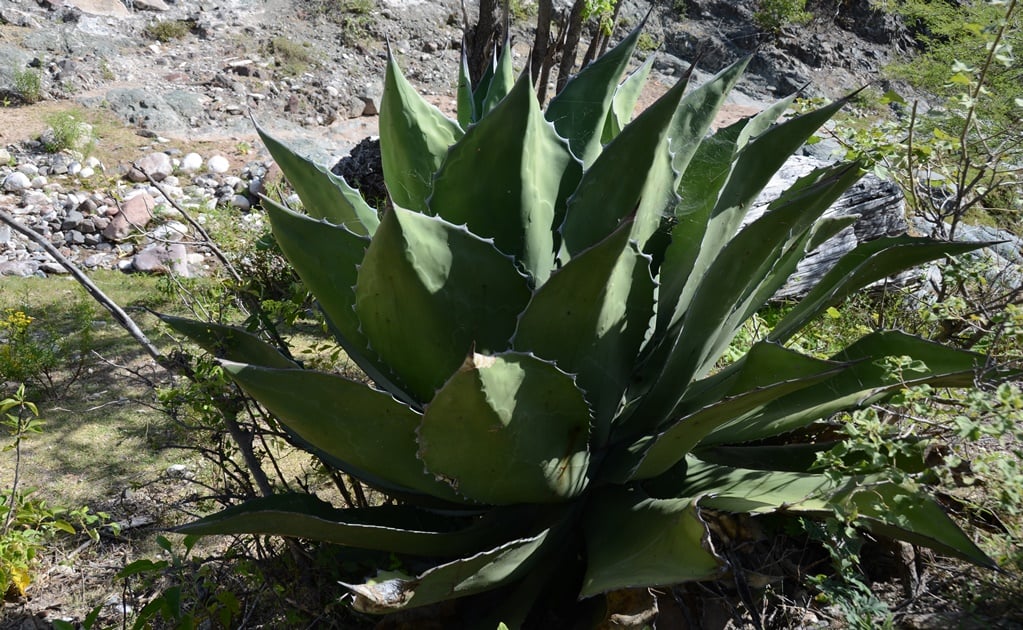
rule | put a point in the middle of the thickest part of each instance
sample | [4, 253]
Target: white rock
[29, 169]
[218, 164]
[74, 168]
[17, 182]
[92, 162]
[39, 181]
[86, 172]
[191, 162]
[241, 202]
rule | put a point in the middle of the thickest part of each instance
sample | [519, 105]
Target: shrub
[28, 85]
[66, 133]
[168, 30]
[773, 15]
[48, 351]
[545, 309]
[291, 57]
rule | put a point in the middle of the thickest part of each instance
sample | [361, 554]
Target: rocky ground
[305, 70]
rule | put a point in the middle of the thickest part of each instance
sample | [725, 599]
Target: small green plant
[28, 85]
[773, 15]
[48, 352]
[168, 30]
[291, 57]
[67, 132]
[29, 524]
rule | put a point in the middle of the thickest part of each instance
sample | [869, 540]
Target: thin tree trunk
[541, 41]
[574, 34]
[482, 38]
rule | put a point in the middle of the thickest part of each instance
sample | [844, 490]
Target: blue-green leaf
[414, 138]
[508, 429]
[506, 180]
[429, 292]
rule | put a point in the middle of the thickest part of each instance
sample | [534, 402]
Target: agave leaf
[324, 195]
[794, 372]
[419, 275]
[414, 138]
[745, 274]
[870, 380]
[604, 198]
[580, 110]
[867, 263]
[703, 223]
[883, 506]
[229, 342]
[392, 591]
[506, 178]
[590, 319]
[634, 540]
[399, 529]
[624, 102]
[696, 113]
[508, 429]
[479, 93]
[308, 244]
[353, 423]
[500, 85]
[911, 456]
[466, 102]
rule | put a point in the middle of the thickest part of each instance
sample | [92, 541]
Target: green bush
[773, 15]
[28, 85]
[168, 30]
[548, 310]
[47, 351]
[68, 133]
[291, 57]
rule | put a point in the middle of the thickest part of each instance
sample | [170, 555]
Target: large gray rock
[156, 112]
[135, 214]
[106, 8]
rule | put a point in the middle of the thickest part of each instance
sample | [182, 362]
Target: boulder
[162, 258]
[105, 8]
[134, 212]
[157, 165]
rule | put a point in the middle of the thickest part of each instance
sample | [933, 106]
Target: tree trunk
[481, 39]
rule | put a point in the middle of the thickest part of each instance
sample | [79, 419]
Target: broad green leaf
[429, 293]
[624, 102]
[590, 319]
[395, 528]
[324, 195]
[604, 198]
[414, 138]
[910, 455]
[479, 92]
[869, 380]
[633, 540]
[903, 511]
[579, 111]
[365, 428]
[508, 429]
[327, 258]
[391, 591]
[501, 83]
[867, 263]
[229, 342]
[506, 178]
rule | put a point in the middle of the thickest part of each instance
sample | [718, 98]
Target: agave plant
[542, 310]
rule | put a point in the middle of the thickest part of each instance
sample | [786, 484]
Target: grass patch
[292, 58]
[68, 133]
[28, 85]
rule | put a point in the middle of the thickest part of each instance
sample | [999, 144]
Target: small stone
[17, 182]
[218, 164]
[39, 181]
[74, 168]
[241, 202]
[86, 172]
[53, 269]
[5, 156]
[29, 169]
[191, 162]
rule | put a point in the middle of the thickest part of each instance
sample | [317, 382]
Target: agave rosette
[542, 311]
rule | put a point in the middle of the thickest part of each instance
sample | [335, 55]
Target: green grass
[102, 433]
